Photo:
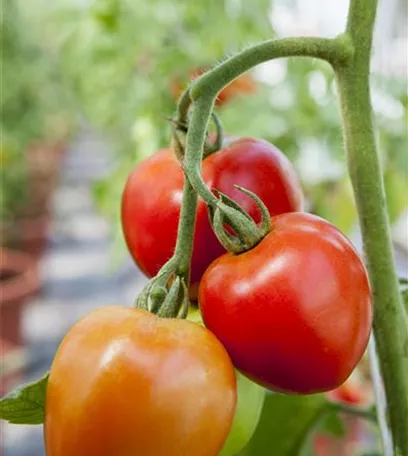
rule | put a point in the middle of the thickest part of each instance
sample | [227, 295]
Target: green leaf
[333, 425]
[26, 404]
[405, 299]
[403, 281]
[284, 422]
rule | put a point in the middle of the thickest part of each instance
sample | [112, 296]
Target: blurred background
[86, 89]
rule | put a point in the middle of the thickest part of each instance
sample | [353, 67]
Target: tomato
[152, 196]
[294, 312]
[250, 399]
[127, 383]
[244, 84]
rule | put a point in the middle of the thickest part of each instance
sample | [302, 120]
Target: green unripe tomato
[249, 406]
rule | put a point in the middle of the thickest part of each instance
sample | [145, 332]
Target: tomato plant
[125, 382]
[295, 311]
[152, 200]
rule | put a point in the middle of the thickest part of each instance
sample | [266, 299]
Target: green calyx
[166, 295]
[234, 228]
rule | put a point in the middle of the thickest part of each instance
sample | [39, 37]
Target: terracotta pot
[44, 164]
[27, 233]
[19, 280]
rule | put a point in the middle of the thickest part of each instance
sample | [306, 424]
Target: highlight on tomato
[151, 200]
[295, 311]
[125, 382]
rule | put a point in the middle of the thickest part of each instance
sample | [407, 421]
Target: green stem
[335, 51]
[368, 415]
[200, 116]
[185, 233]
[390, 321]
[183, 106]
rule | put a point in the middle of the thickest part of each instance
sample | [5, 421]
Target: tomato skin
[151, 204]
[152, 196]
[295, 312]
[126, 383]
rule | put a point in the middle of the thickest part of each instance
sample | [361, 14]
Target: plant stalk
[390, 321]
[185, 233]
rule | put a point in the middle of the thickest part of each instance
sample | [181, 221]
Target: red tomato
[294, 312]
[127, 383]
[152, 196]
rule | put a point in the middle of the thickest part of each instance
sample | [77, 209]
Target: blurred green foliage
[33, 103]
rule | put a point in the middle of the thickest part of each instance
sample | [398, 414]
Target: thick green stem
[200, 116]
[390, 321]
[335, 51]
[185, 234]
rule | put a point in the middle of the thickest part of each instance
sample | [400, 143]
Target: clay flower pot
[43, 163]
[27, 233]
[19, 280]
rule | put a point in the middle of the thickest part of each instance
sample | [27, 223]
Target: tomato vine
[349, 55]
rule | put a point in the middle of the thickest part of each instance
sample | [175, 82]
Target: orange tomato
[127, 383]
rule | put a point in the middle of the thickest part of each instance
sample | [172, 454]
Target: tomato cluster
[151, 200]
[292, 314]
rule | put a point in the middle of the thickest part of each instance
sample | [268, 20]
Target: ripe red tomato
[125, 382]
[152, 196]
[295, 312]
